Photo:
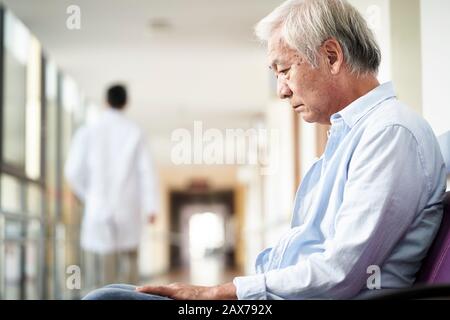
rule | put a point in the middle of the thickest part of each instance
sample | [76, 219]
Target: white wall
[436, 63]
[377, 14]
[406, 52]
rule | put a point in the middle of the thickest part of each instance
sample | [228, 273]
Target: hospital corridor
[143, 141]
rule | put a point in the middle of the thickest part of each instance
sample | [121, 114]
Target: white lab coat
[110, 170]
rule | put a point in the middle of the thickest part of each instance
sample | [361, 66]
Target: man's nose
[282, 88]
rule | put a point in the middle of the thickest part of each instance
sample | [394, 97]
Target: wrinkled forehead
[278, 52]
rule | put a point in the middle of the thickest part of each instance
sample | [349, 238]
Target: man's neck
[362, 86]
[357, 87]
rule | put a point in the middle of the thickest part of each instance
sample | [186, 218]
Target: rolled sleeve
[251, 287]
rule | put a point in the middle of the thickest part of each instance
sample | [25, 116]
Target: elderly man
[373, 201]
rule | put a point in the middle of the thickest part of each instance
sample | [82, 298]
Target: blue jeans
[121, 292]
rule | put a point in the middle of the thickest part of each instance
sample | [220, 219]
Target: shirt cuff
[251, 287]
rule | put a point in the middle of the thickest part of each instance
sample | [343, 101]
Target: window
[10, 194]
[16, 50]
[21, 184]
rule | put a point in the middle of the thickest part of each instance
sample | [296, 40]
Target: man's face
[309, 90]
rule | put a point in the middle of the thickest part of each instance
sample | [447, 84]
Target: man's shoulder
[120, 121]
[133, 131]
[129, 123]
[394, 113]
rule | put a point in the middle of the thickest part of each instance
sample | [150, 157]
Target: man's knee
[121, 292]
[120, 286]
[105, 294]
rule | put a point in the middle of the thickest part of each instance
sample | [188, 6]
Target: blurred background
[184, 63]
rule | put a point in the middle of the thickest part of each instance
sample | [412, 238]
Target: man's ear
[334, 56]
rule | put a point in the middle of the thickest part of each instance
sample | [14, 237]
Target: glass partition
[21, 185]
[39, 216]
[33, 112]
[10, 194]
[15, 67]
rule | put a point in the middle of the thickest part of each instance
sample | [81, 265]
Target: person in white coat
[110, 170]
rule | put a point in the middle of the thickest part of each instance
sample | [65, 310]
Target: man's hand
[180, 291]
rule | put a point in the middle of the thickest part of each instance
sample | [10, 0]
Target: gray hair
[306, 24]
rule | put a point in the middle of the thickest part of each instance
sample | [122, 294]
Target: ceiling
[203, 63]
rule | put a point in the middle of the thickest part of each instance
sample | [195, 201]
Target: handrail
[22, 216]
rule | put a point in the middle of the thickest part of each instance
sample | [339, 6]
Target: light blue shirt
[373, 199]
[444, 143]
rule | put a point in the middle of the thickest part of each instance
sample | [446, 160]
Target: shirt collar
[360, 107]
